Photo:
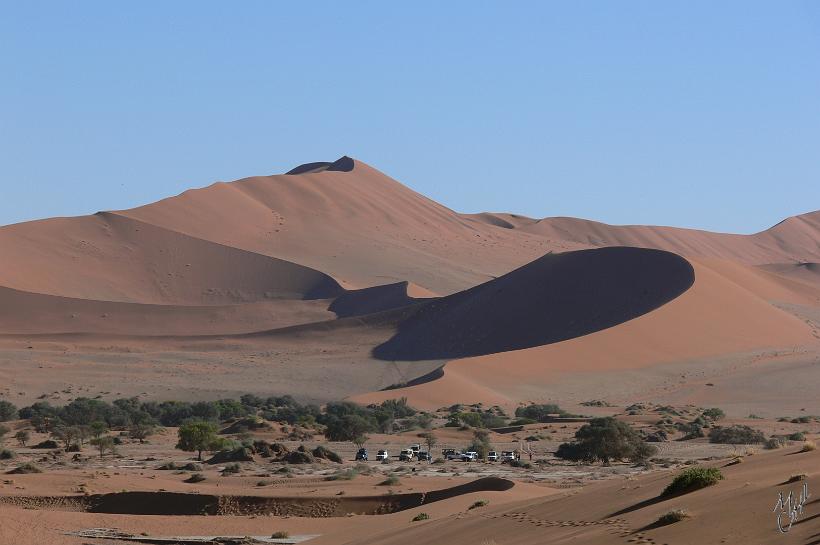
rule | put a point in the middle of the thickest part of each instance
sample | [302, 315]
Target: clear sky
[699, 114]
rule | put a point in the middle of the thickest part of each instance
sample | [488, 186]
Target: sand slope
[726, 311]
[556, 297]
[736, 510]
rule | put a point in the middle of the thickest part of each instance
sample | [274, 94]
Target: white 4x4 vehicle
[382, 455]
[492, 456]
[470, 456]
[509, 456]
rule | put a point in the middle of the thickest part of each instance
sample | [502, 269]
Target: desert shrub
[345, 475]
[691, 479]
[736, 435]
[6, 454]
[774, 442]
[797, 437]
[297, 457]
[170, 466]
[523, 421]
[713, 414]
[391, 480]
[47, 444]
[797, 478]
[23, 469]
[238, 454]
[7, 411]
[280, 535]
[190, 466]
[195, 478]
[808, 446]
[231, 468]
[519, 463]
[606, 439]
[479, 503]
[326, 454]
[540, 412]
[420, 516]
[672, 517]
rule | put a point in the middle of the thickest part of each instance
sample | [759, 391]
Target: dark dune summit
[342, 164]
[552, 299]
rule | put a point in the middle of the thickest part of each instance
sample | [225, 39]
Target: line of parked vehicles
[414, 452]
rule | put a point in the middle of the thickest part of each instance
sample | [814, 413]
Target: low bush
[280, 535]
[420, 516]
[195, 478]
[736, 435]
[809, 446]
[797, 478]
[24, 469]
[672, 517]
[775, 442]
[479, 503]
[799, 436]
[691, 479]
[346, 475]
[326, 454]
[391, 480]
[6, 454]
[231, 469]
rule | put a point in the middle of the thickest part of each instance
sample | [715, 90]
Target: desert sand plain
[337, 282]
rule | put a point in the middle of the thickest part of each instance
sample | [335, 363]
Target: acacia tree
[104, 443]
[606, 439]
[430, 440]
[22, 437]
[197, 436]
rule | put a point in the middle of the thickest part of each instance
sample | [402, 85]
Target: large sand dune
[338, 265]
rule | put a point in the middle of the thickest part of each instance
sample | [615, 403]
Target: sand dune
[339, 254]
[109, 257]
[795, 239]
[557, 297]
[726, 311]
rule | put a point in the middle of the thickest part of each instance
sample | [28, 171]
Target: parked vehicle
[361, 455]
[509, 456]
[469, 456]
[451, 454]
[424, 456]
[415, 448]
[492, 456]
[406, 455]
[382, 455]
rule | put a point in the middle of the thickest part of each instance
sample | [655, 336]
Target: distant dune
[338, 280]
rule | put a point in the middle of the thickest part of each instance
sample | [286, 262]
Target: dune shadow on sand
[554, 298]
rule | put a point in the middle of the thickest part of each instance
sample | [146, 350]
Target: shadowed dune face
[372, 300]
[552, 299]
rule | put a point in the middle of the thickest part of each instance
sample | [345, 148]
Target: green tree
[7, 411]
[606, 439]
[197, 436]
[104, 443]
[22, 437]
[98, 428]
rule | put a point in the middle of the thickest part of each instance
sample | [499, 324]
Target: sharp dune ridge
[338, 254]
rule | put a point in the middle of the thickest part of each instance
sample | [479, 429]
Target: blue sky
[697, 114]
